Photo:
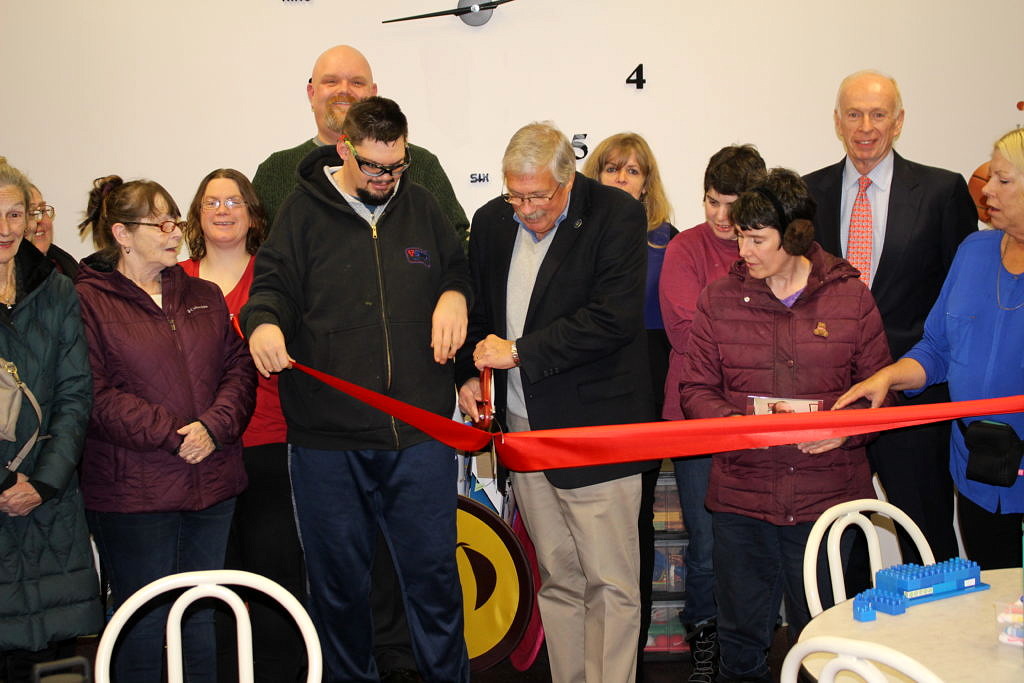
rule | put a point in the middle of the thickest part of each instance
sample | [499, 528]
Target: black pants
[16, 665]
[657, 349]
[991, 539]
[645, 528]
[913, 466]
[264, 541]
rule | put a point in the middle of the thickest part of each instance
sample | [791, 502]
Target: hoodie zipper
[384, 323]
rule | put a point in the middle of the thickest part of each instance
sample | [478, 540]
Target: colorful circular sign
[497, 587]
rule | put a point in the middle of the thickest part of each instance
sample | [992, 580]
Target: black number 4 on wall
[637, 77]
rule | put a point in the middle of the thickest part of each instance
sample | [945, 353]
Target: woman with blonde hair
[626, 161]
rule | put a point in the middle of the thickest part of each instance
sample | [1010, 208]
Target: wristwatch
[515, 354]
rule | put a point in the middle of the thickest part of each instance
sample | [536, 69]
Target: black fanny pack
[994, 452]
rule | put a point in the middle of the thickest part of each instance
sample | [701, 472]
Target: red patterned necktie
[858, 247]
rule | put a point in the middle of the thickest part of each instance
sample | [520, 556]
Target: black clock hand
[458, 11]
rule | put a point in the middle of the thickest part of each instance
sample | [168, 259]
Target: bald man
[341, 77]
[919, 216]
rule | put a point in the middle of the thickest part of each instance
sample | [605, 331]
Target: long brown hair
[258, 217]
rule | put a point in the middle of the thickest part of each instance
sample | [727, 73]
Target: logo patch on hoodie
[417, 255]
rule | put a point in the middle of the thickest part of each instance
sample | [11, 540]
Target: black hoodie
[356, 306]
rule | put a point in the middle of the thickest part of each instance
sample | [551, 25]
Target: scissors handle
[484, 406]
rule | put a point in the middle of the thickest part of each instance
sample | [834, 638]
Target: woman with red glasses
[173, 388]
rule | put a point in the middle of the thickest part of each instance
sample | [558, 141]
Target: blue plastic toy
[905, 585]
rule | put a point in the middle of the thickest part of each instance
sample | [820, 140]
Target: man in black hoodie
[364, 278]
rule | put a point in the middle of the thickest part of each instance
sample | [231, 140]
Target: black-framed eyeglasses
[535, 200]
[214, 204]
[165, 226]
[36, 214]
[375, 170]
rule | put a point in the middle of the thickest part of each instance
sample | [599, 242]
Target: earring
[127, 250]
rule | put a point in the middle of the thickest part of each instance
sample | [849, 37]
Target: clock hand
[458, 11]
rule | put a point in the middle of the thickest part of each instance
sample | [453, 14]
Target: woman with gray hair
[174, 388]
[49, 587]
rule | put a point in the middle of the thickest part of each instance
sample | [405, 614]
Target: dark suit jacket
[930, 213]
[583, 351]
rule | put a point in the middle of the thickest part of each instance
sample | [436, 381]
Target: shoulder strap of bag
[27, 448]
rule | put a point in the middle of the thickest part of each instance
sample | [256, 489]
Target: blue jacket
[975, 345]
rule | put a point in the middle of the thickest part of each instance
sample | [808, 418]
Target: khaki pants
[588, 552]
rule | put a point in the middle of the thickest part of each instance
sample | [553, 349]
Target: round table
[955, 637]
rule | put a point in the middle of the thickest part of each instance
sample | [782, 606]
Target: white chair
[854, 655]
[843, 515]
[206, 584]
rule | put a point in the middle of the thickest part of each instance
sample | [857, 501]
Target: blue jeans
[692, 485]
[341, 498]
[138, 548]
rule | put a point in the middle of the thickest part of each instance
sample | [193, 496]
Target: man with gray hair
[899, 223]
[558, 265]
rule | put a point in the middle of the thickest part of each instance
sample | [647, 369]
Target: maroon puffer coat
[745, 342]
[155, 371]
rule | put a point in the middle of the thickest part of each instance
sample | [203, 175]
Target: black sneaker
[703, 642]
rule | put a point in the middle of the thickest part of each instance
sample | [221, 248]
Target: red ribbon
[557, 448]
[444, 429]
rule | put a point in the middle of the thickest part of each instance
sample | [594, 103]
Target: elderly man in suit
[558, 267]
[900, 224]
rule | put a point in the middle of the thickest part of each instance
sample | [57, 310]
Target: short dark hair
[375, 118]
[193, 226]
[734, 169]
[781, 202]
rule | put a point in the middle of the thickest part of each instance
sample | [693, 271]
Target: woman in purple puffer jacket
[173, 389]
[789, 321]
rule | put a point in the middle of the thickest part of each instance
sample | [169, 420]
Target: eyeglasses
[375, 170]
[535, 200]
[214, 204]
[165, 226]
[36, 214]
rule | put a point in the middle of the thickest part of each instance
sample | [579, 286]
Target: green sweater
[276, 178]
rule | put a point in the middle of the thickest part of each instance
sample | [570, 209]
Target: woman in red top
[225, 227]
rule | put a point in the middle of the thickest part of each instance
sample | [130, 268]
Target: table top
[956, 638]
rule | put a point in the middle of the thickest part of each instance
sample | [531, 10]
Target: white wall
[171, 89]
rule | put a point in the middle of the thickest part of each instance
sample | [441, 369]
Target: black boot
[703, 640]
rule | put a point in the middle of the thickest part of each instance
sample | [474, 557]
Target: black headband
[780, 213]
